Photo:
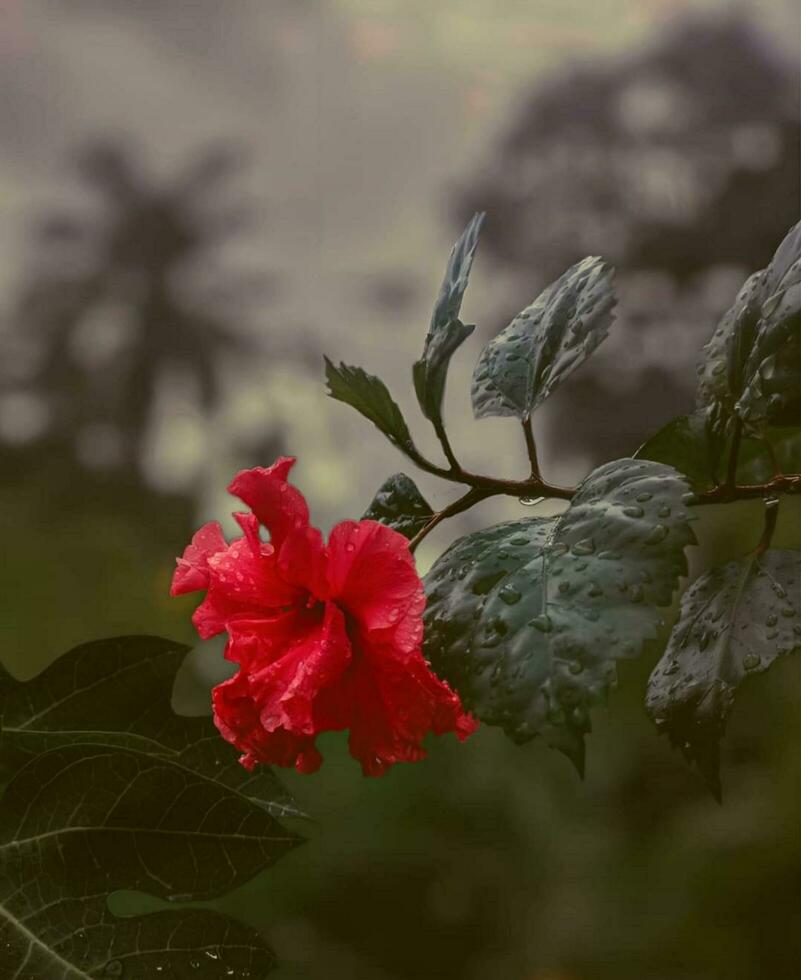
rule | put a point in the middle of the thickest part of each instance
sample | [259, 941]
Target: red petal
[237, 718]
[286, 689]
[395, 706]
[279, 506]
[372, 575]
[192, 572]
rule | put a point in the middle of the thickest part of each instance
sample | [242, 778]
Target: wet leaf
[752, 363]
[400, 505]
[446, 332]
[371, 398]
[735, 621]
[545, 343]
[690, 444]
[527, 619]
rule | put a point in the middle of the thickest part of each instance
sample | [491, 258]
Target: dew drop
[633, 511]
[751, 660]
[509, 595]
[658, 533]
[643, 497]
[584, 547]
[113, 968]
[575, 667]
[564, 586]
[771, 620]
[542, 623]
[530, 501]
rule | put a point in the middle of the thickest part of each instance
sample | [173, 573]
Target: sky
[360, 117]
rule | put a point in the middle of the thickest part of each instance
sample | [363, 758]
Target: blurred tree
[120, 301]
[676, 164]
[653, 161]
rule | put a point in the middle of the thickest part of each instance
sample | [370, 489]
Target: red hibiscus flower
[327, 637]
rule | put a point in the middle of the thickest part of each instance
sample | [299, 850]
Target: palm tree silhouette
[124, 279]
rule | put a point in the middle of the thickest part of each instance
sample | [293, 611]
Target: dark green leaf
[691, 445]
[81, 821]
[446, 332]
[400, 505]
[526, 619]
[735, 620]
[370, 397]
[553, 336]
[752, 365]
[119, 692]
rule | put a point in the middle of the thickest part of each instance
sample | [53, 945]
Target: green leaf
[735, 621]
[446, 332]
[119, 692]
[545, 343]
[371, 398]
[691, 445]
[400, 505]
[526, 619]
[752, 365]
[81, 821]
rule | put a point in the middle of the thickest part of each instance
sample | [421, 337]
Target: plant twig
[531, 448]
[734, 452]
[442, 435]
[473, 496]
[771, 516]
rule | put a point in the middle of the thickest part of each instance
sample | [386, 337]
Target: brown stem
[442, 435]
[482, 487]
[731, 473]
[473, 496]
[531, 448]
[771, 516]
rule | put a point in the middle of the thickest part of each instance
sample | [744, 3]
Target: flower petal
[192, 572]
[279, 506]
[237, 718]
[372, 575]
[287, 689]
[395, 706]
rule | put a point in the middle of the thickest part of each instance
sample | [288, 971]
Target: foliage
[107, 788]
[527, 619]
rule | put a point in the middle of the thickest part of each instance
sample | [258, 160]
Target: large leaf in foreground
[446, 332]
[526, 619]
[81, 821]
[119, 692]
[400, 505]
[529, 359]
[371, 398]
[735, 621]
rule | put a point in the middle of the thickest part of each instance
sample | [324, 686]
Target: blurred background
[200, 199]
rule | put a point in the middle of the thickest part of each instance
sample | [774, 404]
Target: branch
[531, 448]
[473, 496]
[771, 516]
